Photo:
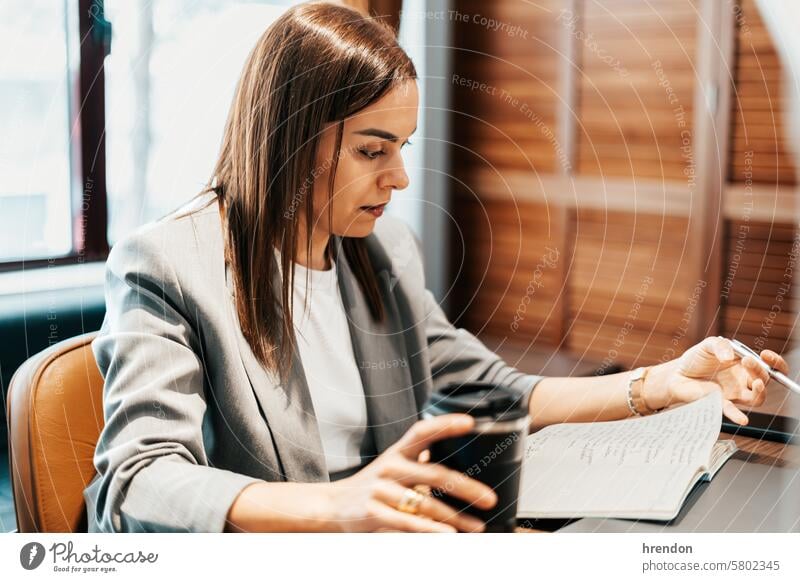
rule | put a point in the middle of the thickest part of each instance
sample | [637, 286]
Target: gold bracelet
[636, 402]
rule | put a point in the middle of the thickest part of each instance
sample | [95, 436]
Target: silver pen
[742, 350]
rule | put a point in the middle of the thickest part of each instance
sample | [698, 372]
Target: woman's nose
[395, 178]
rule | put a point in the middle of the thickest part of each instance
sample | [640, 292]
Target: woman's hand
[712, 365]
[368, 500]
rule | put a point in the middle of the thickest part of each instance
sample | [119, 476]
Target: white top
[323, 340]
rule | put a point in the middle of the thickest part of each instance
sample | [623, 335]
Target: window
[38, 41]
[170, 80]
[94, 144]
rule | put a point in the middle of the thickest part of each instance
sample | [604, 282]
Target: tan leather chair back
[55, 415]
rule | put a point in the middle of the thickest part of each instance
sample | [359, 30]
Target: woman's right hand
[368, 500]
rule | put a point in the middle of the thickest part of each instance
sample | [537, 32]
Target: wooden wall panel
[510, 275]
[606, 183]
[633, 111]
[629, 299]
[504, 85]
[759, 151]
[757, 290]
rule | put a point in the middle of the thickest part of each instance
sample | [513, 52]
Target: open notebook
[640, 468]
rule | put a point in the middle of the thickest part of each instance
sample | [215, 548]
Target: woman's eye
[371, 155]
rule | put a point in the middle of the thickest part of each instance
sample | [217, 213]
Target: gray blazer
[191, 417]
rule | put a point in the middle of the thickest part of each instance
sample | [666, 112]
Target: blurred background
[597, 184]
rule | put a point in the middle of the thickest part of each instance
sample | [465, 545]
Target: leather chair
[55, 415]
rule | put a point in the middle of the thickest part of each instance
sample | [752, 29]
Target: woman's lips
[376, 211]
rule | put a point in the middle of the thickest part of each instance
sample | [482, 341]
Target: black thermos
[492, 452]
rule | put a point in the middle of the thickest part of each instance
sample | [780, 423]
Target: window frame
[88, 203]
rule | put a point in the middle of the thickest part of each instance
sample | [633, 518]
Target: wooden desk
[766, 452]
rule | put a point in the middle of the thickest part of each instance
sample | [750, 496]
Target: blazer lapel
[380, 351]
[288, 409]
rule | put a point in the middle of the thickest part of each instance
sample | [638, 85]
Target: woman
[226, 410]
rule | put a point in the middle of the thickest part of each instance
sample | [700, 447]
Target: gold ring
[423, 489]
[410, 501]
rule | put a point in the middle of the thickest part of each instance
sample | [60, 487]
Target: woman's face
[370, 166]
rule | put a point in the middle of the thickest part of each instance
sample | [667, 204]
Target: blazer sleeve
[153, 472]
[457, 356]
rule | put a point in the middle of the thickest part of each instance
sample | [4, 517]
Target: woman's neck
[319, 259]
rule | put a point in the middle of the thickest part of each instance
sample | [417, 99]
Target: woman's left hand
[712, 365]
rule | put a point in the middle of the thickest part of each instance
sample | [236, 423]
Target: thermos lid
[479, 399]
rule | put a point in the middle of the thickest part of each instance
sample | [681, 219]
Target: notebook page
[722, 451]
[633, 465]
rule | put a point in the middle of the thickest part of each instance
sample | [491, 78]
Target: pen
[742, 351]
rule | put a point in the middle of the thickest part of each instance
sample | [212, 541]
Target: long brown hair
[316, 64]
